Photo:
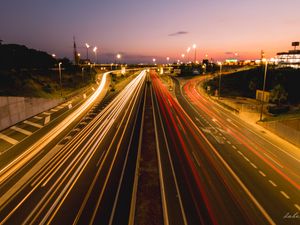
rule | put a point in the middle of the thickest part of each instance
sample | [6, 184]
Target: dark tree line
[13, 56]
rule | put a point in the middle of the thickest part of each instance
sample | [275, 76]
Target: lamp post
[187, 53]
[87, 50]
[82, 73]
[182, 56]
[168, 59]
[220, 76]
[59, 70]
[195, 49]
[264, 87]
[154, 60]
[96, 56]
[119, 56]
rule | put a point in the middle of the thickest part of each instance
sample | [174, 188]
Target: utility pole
[76, 56]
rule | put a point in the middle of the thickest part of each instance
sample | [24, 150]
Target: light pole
[119, 56]
[59, 70]
[195, 49]
[154, 60]
[168, 59]
[187, 53]
[182, 56]
[82, 73]
[96, 56]
[87, 50]
[220, 76]
[264, 87]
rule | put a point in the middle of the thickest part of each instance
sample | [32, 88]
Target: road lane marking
[229, 142]
[8, 139]
[235, 176]
[234, 147]
[285, 195]
[246, 159]
[265, 139]
[53, 110]
[199, 122]
[240, 153]
[297, 206]
[252, 164]
[262, 173]
[99, 161]
[196, 159]
[273, 160]
[26, 132]
[46, 113]
[38, 117]
[59, 107]
[229, 120]
[273, 183]
[32, 124]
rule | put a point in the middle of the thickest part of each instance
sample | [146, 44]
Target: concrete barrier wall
[16, 109]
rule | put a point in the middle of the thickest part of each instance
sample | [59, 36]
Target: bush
[278, 109]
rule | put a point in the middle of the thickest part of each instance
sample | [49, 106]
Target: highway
[85, 180]
[213, 167]
[226, 173]
[261, 178]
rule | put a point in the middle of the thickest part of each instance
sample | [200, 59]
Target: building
[290, 58]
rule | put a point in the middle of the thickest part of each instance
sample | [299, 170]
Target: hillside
[31, 73]
[245, 83]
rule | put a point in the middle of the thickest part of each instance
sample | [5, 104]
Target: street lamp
[168, 59]
[119, 56]
[187, 53]
[96, 56]
[182, 56]
[264, 87]
[220, 76]
[195, 49]
[87, 50]
[82, 73]
[53, 55]
[59, 70]
[154, 60]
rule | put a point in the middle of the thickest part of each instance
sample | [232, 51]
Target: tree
[278, 94]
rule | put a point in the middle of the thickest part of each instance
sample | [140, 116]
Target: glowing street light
[195, 49]
[96, 56]
[118, 56]
[59, 70]
[154, 60]
[220, 76]
[87, 50]
[182, 56]
[53, 55]
[187, 53]
[168, 59]
[264, 87]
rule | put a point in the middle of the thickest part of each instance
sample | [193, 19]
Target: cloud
[179, 33]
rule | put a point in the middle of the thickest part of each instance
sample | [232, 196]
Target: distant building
[289, 59]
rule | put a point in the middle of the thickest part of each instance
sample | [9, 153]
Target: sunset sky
[143, 29]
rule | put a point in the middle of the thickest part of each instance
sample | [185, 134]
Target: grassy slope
[245, 83]
[44, 84]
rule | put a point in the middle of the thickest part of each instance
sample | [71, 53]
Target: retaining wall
[16, 109]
